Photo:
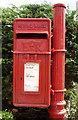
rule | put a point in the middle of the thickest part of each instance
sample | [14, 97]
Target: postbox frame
[47, 88]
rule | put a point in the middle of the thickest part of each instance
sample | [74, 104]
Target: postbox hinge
[52, 50]
[51, 90]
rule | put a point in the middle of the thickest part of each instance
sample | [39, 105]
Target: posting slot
[32, 35]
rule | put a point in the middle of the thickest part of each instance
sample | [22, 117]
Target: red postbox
[31, 62]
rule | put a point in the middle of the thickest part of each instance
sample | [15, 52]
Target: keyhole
[30, 57]
[21, 78]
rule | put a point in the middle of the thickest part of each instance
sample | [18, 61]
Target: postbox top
[59, 5]
[36, 30]
[35, 19]
[32, 25]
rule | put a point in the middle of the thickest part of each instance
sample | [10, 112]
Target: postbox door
[28, 91]
[31, 71]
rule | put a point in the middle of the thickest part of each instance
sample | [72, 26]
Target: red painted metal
[57, 110]
[32, 44]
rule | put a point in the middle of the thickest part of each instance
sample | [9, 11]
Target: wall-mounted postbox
[31, 62]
